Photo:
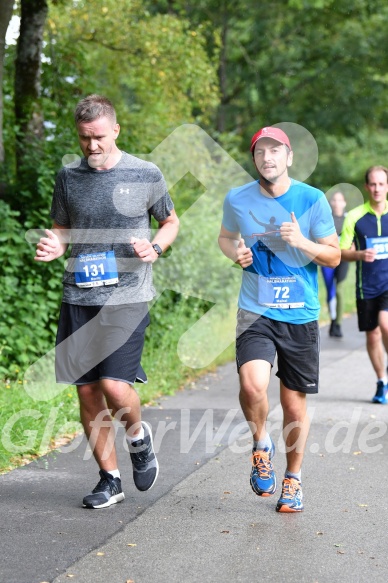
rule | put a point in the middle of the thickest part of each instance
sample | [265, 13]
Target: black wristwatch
[158, 249]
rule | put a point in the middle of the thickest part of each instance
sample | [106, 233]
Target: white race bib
[281, 292]
[380, 244]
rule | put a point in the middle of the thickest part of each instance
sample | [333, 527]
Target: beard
[99, 158]
[97, 161]
[271, 179]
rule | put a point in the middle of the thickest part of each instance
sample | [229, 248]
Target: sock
[263, 443]
[384, 379]
[114, 473]
[296, 475]
[132, 438]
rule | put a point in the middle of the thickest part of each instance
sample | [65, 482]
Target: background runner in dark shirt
[334, 278]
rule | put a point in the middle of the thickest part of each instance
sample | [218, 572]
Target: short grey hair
[93, 107]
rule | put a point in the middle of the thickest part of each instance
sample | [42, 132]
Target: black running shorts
[100, 342]
[368, 312]
[296, 347]
[341, 271]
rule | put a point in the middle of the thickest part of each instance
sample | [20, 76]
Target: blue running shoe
[291, 499]
[381, 395]
[263, 478]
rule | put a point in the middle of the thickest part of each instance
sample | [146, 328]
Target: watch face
[157, 249]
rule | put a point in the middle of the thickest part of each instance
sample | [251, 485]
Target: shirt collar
[371, 209]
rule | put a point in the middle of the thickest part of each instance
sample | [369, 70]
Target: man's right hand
[244, 254]
[369, 255]
[49, 248]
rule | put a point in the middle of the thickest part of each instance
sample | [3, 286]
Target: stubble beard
[100, 160]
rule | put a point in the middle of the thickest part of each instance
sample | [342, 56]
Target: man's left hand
[291, 233]
[144, 250]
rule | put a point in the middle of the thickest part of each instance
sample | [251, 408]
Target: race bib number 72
[281, 292]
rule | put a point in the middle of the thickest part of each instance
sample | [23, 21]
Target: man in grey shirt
[102, 207]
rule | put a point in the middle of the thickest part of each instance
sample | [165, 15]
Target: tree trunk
[222, 74]
[6, 7]
[27, 88]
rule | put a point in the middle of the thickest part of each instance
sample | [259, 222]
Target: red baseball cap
[270, 132]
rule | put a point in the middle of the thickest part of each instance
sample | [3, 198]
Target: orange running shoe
[291, 499]
[263, 478]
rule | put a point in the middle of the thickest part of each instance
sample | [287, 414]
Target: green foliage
[128, 57]
[29, 298]
[345, 160]
[154, 67]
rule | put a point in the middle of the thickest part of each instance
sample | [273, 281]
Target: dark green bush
[29, 298]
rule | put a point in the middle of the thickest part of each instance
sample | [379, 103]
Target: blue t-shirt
[282, 283]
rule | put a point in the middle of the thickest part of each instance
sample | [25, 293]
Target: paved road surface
[201, 522]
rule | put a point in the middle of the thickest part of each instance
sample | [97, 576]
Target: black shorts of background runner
[296, 346]
[368, 311]
[341, 271]
[100, 342]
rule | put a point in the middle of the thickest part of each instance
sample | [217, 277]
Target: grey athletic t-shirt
[104, 209]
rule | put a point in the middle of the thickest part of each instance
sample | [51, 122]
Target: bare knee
[253, 392]
[114, 390]
[117, 392]
[90, 396]
[294, 416]
[254, 379]
[294, 405]
[373, 337]
[93, 405]
[121, 397]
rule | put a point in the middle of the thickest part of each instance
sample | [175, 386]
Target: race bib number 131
[96, 269]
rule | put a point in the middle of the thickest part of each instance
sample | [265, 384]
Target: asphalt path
[201, 522]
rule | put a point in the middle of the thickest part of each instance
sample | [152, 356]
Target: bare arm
[352, 254]
[53, 246]
[166, 235]
[324, 252]
[234, 247]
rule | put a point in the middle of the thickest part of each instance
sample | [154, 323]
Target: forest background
[227, 67]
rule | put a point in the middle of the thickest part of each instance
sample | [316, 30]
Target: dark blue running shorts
[100, 342]
[296, 347]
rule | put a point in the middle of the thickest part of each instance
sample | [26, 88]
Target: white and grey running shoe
[144, 462]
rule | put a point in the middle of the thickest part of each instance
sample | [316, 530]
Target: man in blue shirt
[278, 230]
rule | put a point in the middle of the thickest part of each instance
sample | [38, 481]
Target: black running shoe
[144, 462]
[337, 332]
[107, 492]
